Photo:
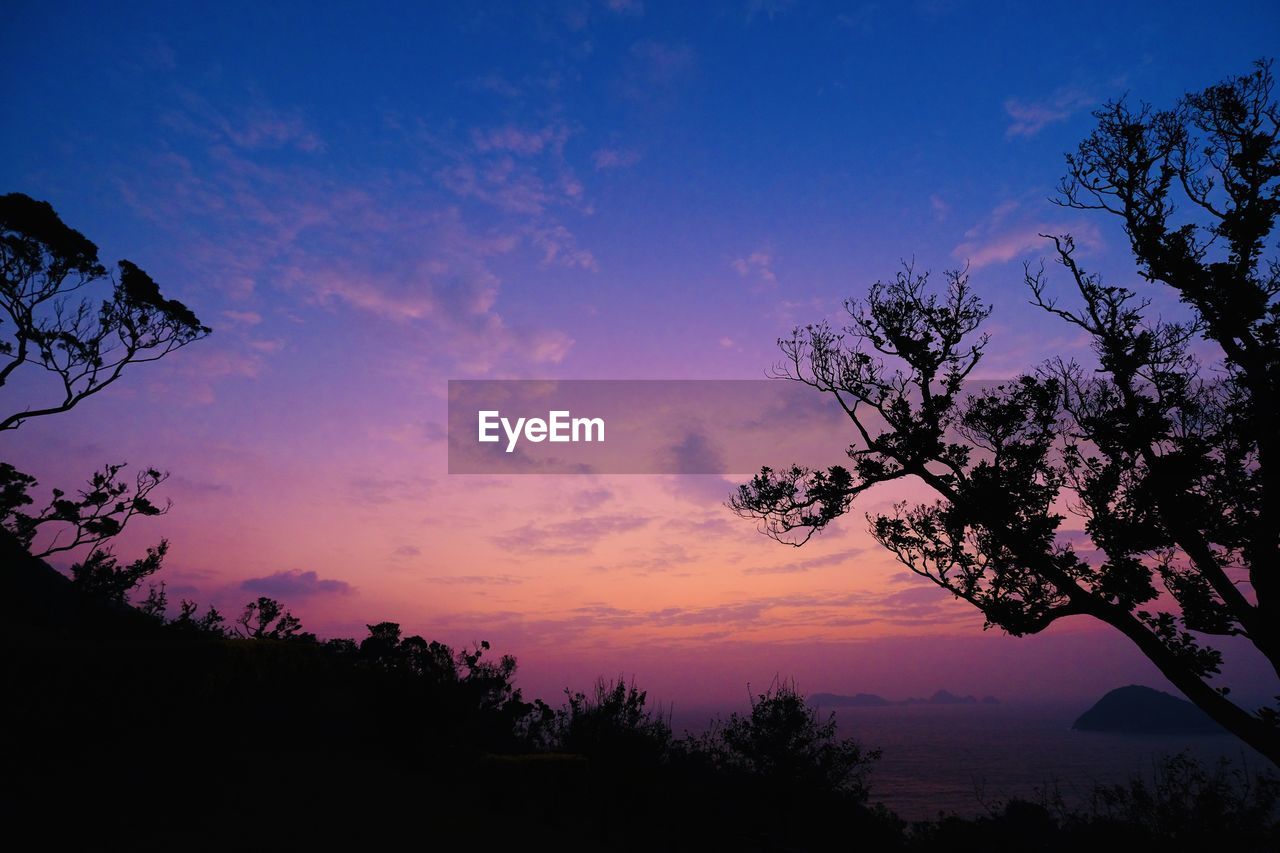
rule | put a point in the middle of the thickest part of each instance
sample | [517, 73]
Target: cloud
[192, 379]
[614, 158]
[243, 318]
[859, 17]
[758, 267]
[1018, 243]
[518, 141]
[661, 64]
[767, 8]
[1027, 118]
[567, 537]
[295, 584]
[694, 453]
[701, 490]
[549, 347]
[812, 612]
[494, 84]
[1002, 236]
[477, 580]
[288, 226]
[934, 10]
[939, 207]
[560, 248]
[625, 7]
[523, 173]
[657, 558]
[801, 566]
[589, 499]
[256, 126]
[516, 170]
[498, 183]
[374, 490]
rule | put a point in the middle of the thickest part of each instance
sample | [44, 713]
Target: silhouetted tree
[782, 742]
[188, 619]
[50, 319]
[266, 619]
[84, 344]
[100, 574]
[95, 515]
[156, 604]
[1173, 471]
[612, 722]
[432, 661]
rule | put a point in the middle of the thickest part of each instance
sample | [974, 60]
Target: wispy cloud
[256, 125]
[941, 210]
[1027, 118]
[1006, 234]
[243, 318]
[614, 158]
[767, 9]
[476, 580]
[654, 66]
[577, 536]
[758, 268]
[801, 566]
[520, 141]
[625, 7]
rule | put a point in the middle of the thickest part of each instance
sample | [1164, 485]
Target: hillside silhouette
[133, 728]
[152, 731]
[1143, 710]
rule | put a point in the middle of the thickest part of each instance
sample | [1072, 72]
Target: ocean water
[963, 759]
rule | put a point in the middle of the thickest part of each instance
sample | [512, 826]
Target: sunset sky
[365, 203]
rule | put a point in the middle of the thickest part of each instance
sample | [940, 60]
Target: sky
[367, 200]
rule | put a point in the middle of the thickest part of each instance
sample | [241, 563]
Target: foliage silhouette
[782, 741]
[100, 574]
[266, 619]
[1185, 805]
[1173, 471]
[85, 346]
[394, 735]
[46, 267]
[92, 517]
[612, 721]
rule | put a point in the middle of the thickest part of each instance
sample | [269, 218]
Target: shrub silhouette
[613, 723]
[782, 742]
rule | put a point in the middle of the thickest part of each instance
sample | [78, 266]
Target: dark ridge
[1143, 710]
[858, 700]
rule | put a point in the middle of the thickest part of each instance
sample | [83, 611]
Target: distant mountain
[1142, 710]
[944, 697]
[859, 700]
[871, 700]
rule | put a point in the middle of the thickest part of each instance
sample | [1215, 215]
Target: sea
[970, 759]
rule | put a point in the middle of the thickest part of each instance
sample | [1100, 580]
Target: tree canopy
[48, 319]
[1164, 452]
